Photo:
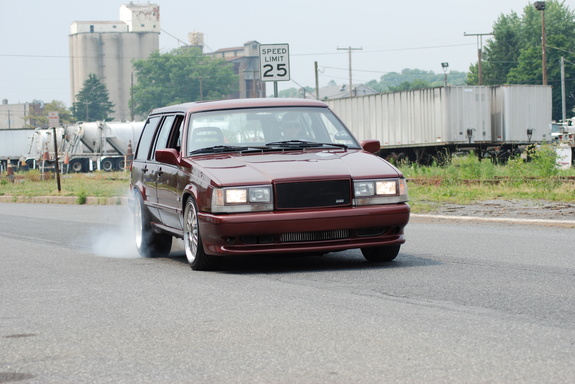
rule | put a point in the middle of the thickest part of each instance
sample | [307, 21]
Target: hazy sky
[392, 35]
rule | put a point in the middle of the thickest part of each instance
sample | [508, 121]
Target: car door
[144, 168]
[169, 198]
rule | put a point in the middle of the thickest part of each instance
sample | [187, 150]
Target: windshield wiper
[303, 143]
[219, 149]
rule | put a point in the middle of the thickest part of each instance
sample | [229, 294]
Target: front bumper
[321, 230]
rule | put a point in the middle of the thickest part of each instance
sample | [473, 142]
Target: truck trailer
[426, 124]
[100, 145]
[85, 146]
[14, 144]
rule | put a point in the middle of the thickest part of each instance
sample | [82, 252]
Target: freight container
[14, 143]
[423, 124]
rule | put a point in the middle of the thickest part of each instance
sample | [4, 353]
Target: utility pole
[540, 6]
[563, 106]
[316, 81]
[479, 53]
[132, 114]
[349, 50]
[201, 85]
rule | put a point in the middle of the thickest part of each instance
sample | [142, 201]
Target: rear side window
[164, 133]
[147, 138]
[169, 135]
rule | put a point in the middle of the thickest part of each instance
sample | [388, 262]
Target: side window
[175, 140]
[146, 138]
[164, 134]
[169, 133]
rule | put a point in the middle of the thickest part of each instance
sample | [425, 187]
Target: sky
[389, 36]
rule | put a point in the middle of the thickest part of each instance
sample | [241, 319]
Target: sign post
[54, 122]
[274, 64]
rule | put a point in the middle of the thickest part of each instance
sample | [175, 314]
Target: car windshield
[264, 128]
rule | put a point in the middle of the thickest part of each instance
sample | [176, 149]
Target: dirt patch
[515, 209]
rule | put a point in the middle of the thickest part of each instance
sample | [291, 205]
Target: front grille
[314, 236]
[313, 194]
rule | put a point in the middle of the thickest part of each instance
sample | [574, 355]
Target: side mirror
[371, 146]
[168, 156]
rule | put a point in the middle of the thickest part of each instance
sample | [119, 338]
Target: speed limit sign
[274, 62]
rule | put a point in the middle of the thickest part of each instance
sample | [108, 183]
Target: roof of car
[238, 103]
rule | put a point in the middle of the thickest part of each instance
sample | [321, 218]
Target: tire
[148, 242]
[77, 165]
[120, 165]
[107, 165]
[198, 259]
[381, 254]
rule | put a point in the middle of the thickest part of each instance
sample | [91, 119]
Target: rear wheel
[381, 254]
[198, 259]
[148, 242]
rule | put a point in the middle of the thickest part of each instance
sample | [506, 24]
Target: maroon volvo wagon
[262, 176]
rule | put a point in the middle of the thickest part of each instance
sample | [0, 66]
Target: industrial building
[14, 115]
[107, 48]
[246, 62]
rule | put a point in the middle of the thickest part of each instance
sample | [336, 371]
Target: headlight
[388, 191]
[242, 199]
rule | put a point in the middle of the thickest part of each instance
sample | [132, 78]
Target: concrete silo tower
[107, 48]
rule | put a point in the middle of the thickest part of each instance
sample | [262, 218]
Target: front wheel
[148, 242]
[198, 259]
[381, 254]
[77, 165]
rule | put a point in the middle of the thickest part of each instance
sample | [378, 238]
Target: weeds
[80, 185]
[465, 179]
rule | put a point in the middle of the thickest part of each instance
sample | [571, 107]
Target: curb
[506, 220]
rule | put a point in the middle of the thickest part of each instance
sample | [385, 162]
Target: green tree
[180, 76]
[501, 53]
[415, 79]
[513, 55]
[92, 103]
[38, 116]
[409, 86]
[299, 93]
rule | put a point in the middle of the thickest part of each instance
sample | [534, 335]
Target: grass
[80, 185]
[462, 180]
[466, 179]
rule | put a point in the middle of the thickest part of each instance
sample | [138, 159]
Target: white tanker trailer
[86, 146]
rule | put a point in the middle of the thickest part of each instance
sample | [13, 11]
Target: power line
[291, 54]
[382, 50]
[349, 51]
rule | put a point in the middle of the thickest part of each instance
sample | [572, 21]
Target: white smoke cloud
[118, 240]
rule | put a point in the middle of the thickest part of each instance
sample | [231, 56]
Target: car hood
[265, 168]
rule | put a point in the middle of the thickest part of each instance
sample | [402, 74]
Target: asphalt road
[464, 302]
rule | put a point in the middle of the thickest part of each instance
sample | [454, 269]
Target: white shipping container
[15, 142]
[450, 115]
[419, 117]
[517, 109]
